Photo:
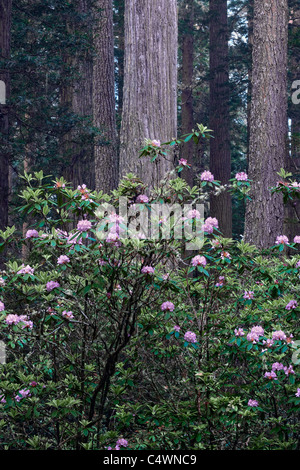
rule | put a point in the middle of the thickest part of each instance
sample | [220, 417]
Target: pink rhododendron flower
[190, 337]
[167, 306]
[297, 394]
[183, 162]
[278, 335]
[248, 295]
[253, 403]
[63, 259]
[255, 333]
[147, 270]
[12, 319]
[26, 270]
[239, 332]
[69, 315]
[52, 285]
[122, 442]
[84, 225]
[177, 328]
[199, 261]
[208, 228]
[281, 239]
[194, 214]
[241, 176]
[221, 281]
[207, 176]
[212, 221]
[297, 239]
[289, 370]
[32, 234]
[142, 198]
[277, 366]
[291, 304]
[271, 375]
[155, 143]
[2, 306]
[225, 255]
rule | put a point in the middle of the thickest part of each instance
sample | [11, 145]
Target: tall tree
[106, 156]
[268, 120]
[220, 158]
[5, 28]
[150, 84]
[187, 109]
[76, 95]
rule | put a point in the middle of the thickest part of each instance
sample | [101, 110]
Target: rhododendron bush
[117, 342]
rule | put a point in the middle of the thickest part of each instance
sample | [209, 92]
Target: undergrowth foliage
[132, 343]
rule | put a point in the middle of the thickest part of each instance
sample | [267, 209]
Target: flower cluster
[255, 333]
[199, 261]
[207, 176]
[52, 285]
[147, 270]
[167, 306]
[190, 337]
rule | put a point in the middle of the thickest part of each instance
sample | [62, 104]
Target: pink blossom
[271, 375]
[281, 239]
[167, 306]
[32, 234]
[277, 366]
[239, 332]
[84, 225]
[63, 259]
[278, 335]
[12, 319]
[2, 306]
[253, 403]
[194, 214]
[147, 270]
[297, 239]
[248, 294]
[155, 143]
[297, 394]
[26, 270]
[291, 304]
[242, 176]
[199, 261]
[255, 333]
[69, 315]
[177, 328]
[142, 198]
[190, 337]
[208, 228]
[122, 442]
[52, 285]
[207, 176]
[183, 162]
[212, 221]
[289, 370]
[225, 254]
[2, 282]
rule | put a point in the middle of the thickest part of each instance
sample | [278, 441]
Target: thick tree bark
[5, 25]
[150, 85]
[220, 158]
[187, 109]
[106, 156]
[268, 121]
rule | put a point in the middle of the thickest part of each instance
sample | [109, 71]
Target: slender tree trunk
[106, 156]
[76, 97]
[187, 109]
[220, 158]
[5, 25]
[268, 122]
[150, 85]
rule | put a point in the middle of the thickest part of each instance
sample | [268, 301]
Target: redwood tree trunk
[5, 24]
[187, 110]
[150, 85]
[268, 121]
[106, 156]
[220, 159]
